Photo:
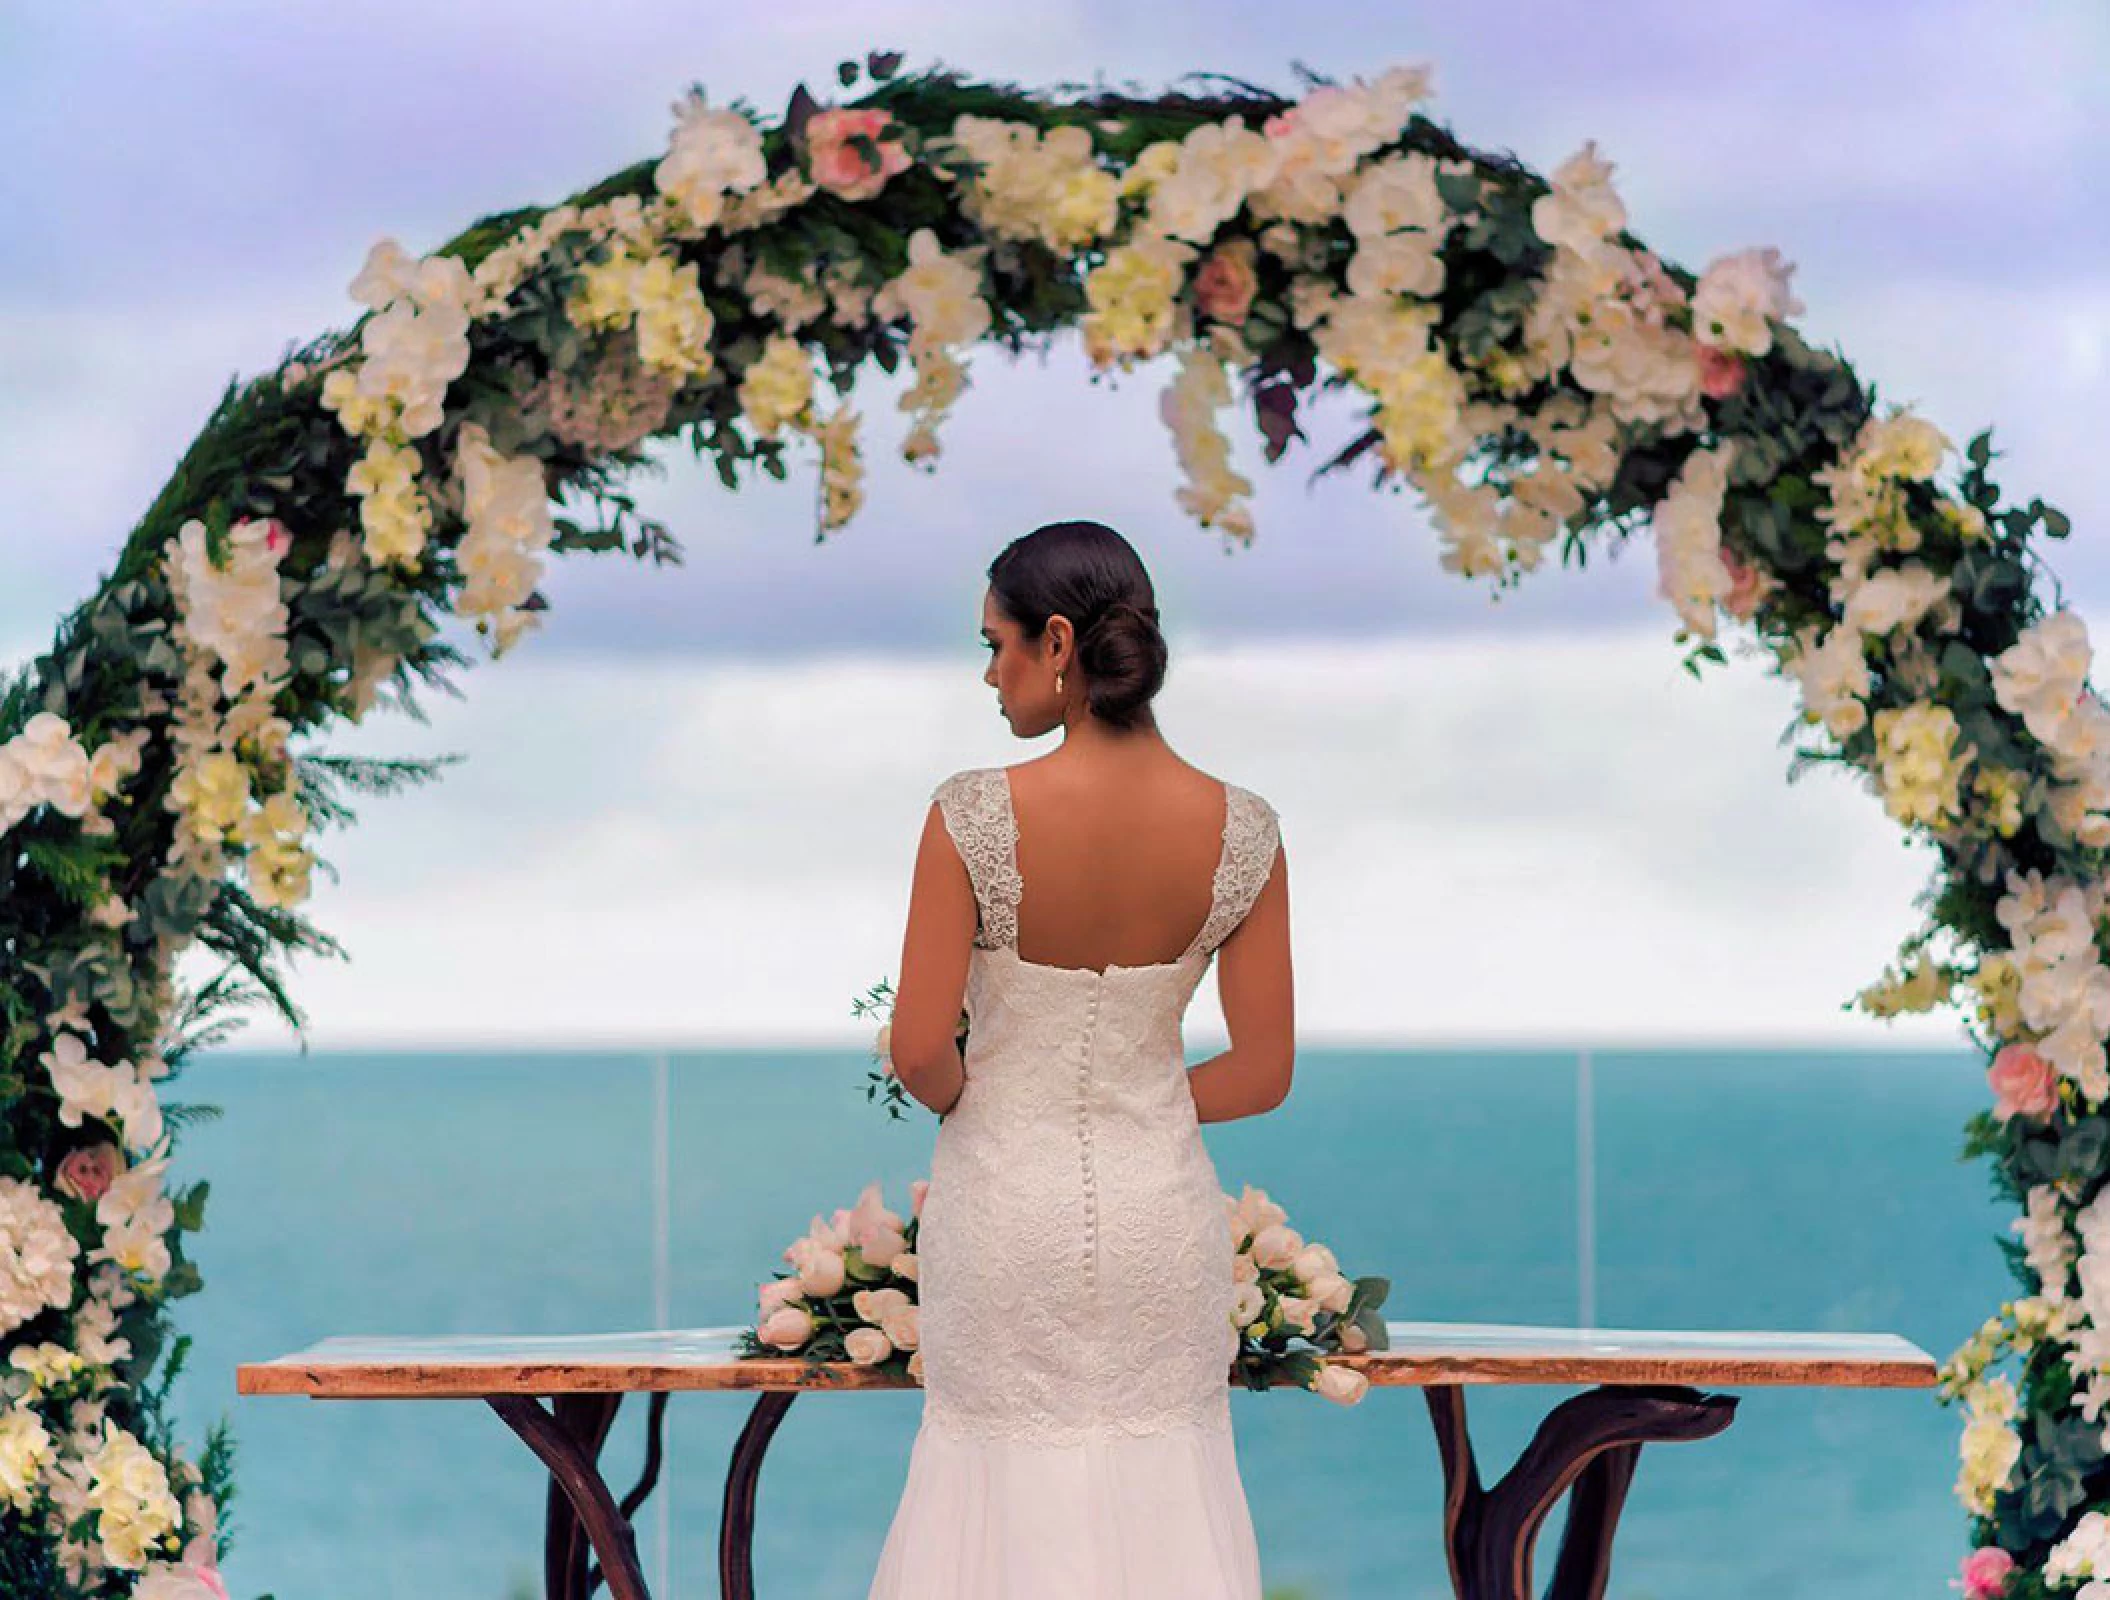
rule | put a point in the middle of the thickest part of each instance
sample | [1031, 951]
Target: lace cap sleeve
[976, 805]
[1253, 834]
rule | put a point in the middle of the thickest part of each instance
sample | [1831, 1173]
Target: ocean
[510, 1192]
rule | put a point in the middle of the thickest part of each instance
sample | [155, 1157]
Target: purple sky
[194, 188]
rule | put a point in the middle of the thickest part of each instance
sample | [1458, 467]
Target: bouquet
[851, 1296]
[881, 1079]
[1288, 1288]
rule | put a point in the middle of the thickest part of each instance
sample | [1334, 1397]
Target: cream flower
[37, 1253]
[711, 155]
[778, 387]
[1739, 299]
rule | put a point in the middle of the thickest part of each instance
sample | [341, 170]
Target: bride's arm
[923, 1041]
[1259, 1002]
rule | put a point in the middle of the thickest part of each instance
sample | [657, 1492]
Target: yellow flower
[357, 412]
[1151, 167]
[607, 294]
[674, 326]
[1132, 295]
[779, 386]
[1918, 772]
[2001, 790]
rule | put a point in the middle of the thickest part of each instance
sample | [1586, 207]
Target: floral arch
[1530, 369]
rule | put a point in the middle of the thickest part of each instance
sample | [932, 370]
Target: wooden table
[1586, 1446]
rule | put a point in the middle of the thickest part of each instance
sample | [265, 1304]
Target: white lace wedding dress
[1074, 1271]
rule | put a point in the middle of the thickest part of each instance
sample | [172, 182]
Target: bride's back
[1120, 864]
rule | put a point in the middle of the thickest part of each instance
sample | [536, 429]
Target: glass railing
[463, 1192]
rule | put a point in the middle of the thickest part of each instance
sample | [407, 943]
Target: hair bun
[1123, 655]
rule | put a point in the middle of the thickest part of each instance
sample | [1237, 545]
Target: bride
[1075, 1250]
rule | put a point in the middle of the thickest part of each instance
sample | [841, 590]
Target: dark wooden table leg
[736, 1525]
[1591, 1443]
[569, 1444]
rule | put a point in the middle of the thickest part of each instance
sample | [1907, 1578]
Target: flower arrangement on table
[851, 1296]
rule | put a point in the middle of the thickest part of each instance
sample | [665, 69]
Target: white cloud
[1551, 838]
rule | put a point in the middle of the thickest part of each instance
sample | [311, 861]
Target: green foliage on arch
[1527, 366]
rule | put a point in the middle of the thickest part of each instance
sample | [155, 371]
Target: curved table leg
[1590, 1442]
[736, 1526]
[569, 1443]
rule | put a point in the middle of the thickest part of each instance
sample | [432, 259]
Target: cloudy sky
[689, 806]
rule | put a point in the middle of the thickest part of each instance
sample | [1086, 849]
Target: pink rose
[1721, 372]
[1225, 284]
[2022, 1082]
[777, 1292]
[839, 166]
[1281, 124]
[86, 1174]
[200, 1565]
[1985, 1573]
[1745, 585]
[785, 1328]
[916, 1192]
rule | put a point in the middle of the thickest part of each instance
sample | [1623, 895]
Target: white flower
[505, 501]
[902, 1326]
[1248, 1300]
[2040, 677]
[1034, 185]
[1314, 1261]
[392, 273]
[131, 1490]
[1220, 163]
[1582, 210]
[786, 1328]
[413, 352]
[819, 1268]
[1834, 678]
[1332, 1291]
[1398, 192]
[44, 764]
[1894, 598]
[939, 293]
[2048, 1245]
[239, 614]
[1342, 1385]
[1688, 524]
[1213, 494]
[1321, 138]
[867, 1346]
[876, 1305]
[1276, 1245]
[2083, 1553]
[1740, 297]
[712, 154]
[1297, 1312]
[86, 1087]
[26, 1453]
[1252, 1211]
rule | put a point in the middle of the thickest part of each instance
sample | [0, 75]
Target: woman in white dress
[1074, 1250]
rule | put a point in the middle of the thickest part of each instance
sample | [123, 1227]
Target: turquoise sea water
[505, 1192]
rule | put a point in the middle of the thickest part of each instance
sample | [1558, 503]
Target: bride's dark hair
[1087, 572]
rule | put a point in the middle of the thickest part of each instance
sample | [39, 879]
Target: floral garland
[1530, 370]
[851, 1296]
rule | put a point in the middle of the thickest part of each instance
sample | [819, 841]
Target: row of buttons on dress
[1084, 1139]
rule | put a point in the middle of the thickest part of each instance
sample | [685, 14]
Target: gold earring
[1058, 683]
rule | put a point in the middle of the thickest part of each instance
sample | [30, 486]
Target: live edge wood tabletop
[1642, 1389]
